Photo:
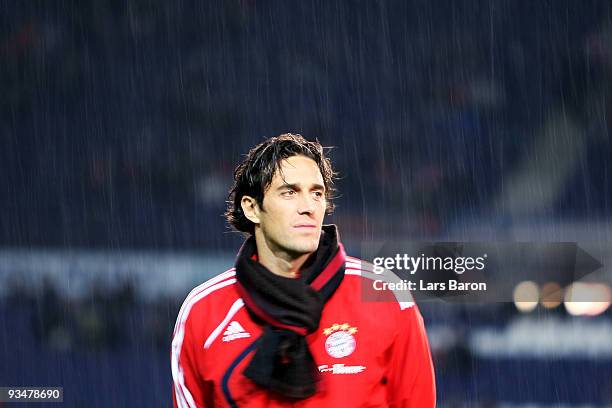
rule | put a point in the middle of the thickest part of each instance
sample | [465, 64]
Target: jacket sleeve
[411, 381]
[188, 390]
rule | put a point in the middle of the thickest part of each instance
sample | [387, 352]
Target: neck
[279, 262]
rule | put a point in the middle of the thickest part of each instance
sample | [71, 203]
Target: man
[287, 325]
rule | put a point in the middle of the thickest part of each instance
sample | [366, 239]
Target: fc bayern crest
[340, 341]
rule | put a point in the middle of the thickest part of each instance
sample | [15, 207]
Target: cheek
[277, 221]
[322, 208]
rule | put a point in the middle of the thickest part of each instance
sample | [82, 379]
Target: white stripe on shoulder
[230, 314]
[350, 271]
[212, 281]
[357, 263]
[177, 342]
[404, 298]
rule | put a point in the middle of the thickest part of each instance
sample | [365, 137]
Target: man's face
[294, 207]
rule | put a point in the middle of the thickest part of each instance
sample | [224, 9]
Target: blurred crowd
[104, 320]
[122, 121]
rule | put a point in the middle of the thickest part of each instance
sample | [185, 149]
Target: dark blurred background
[121, 123]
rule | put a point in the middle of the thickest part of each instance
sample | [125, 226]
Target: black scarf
[290, 309]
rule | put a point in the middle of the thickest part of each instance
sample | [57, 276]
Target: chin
[307, 247]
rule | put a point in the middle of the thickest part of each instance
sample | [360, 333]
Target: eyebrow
[296, 186]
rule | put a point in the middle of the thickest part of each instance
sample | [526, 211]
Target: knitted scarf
[290, 309]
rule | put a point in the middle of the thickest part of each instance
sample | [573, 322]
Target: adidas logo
[235, 331]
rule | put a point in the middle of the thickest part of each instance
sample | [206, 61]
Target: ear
[250, 208]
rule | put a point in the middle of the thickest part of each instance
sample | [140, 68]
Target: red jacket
[372, 354]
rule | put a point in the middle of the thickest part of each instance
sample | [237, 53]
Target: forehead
[296, 169]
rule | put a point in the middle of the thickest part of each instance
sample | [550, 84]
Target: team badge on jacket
[340, 341]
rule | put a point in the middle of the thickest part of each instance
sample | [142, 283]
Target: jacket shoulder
[362, 272]
[211, 287]
[209, 297]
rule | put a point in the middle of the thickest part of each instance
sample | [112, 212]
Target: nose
[306, 204]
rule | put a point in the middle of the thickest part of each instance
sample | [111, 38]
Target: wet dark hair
[254, 175]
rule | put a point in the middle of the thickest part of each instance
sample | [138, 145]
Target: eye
[288, 193]
[318, 194]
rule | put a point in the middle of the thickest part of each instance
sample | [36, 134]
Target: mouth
[305, 226]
